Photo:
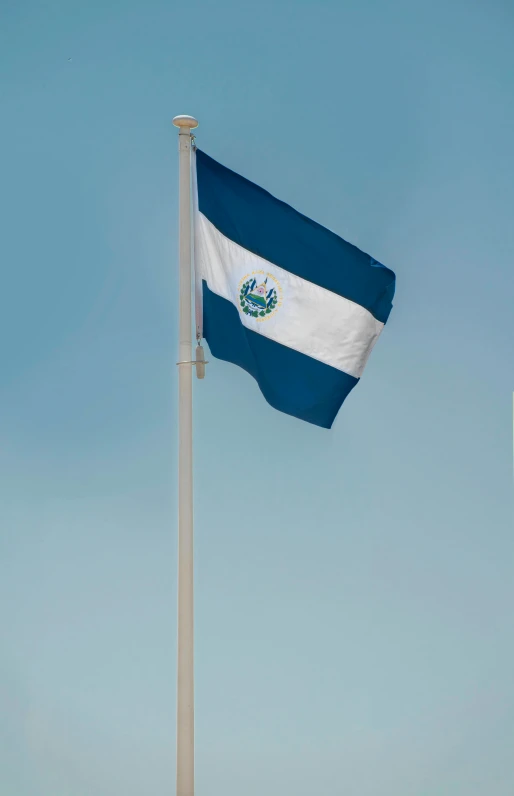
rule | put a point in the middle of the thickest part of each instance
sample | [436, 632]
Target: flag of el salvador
[286, 299]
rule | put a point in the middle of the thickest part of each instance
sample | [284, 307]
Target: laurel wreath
[271, 303]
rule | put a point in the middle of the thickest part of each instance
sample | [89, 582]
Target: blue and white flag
[284, 298]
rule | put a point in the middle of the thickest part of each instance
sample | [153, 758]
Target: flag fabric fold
[291, 302]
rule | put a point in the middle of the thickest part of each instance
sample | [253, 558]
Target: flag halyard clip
[200, 362]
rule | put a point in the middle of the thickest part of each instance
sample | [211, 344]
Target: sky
[354, 589]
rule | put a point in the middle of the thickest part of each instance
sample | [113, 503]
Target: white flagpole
[185, 670]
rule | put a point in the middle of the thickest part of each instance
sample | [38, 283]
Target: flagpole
[185, 660]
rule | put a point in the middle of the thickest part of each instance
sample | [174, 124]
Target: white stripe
[308, 318]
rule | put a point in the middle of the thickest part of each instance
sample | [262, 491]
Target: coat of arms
[258, 300]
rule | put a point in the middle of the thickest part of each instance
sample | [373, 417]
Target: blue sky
[354, 588]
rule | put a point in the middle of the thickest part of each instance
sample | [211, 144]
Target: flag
[291, 302]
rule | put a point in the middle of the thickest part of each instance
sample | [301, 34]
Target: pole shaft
[185, 665]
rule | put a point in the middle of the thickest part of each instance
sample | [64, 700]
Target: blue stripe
[254, 219]
[291, 382]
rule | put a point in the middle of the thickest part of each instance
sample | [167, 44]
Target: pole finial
[185, 121]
